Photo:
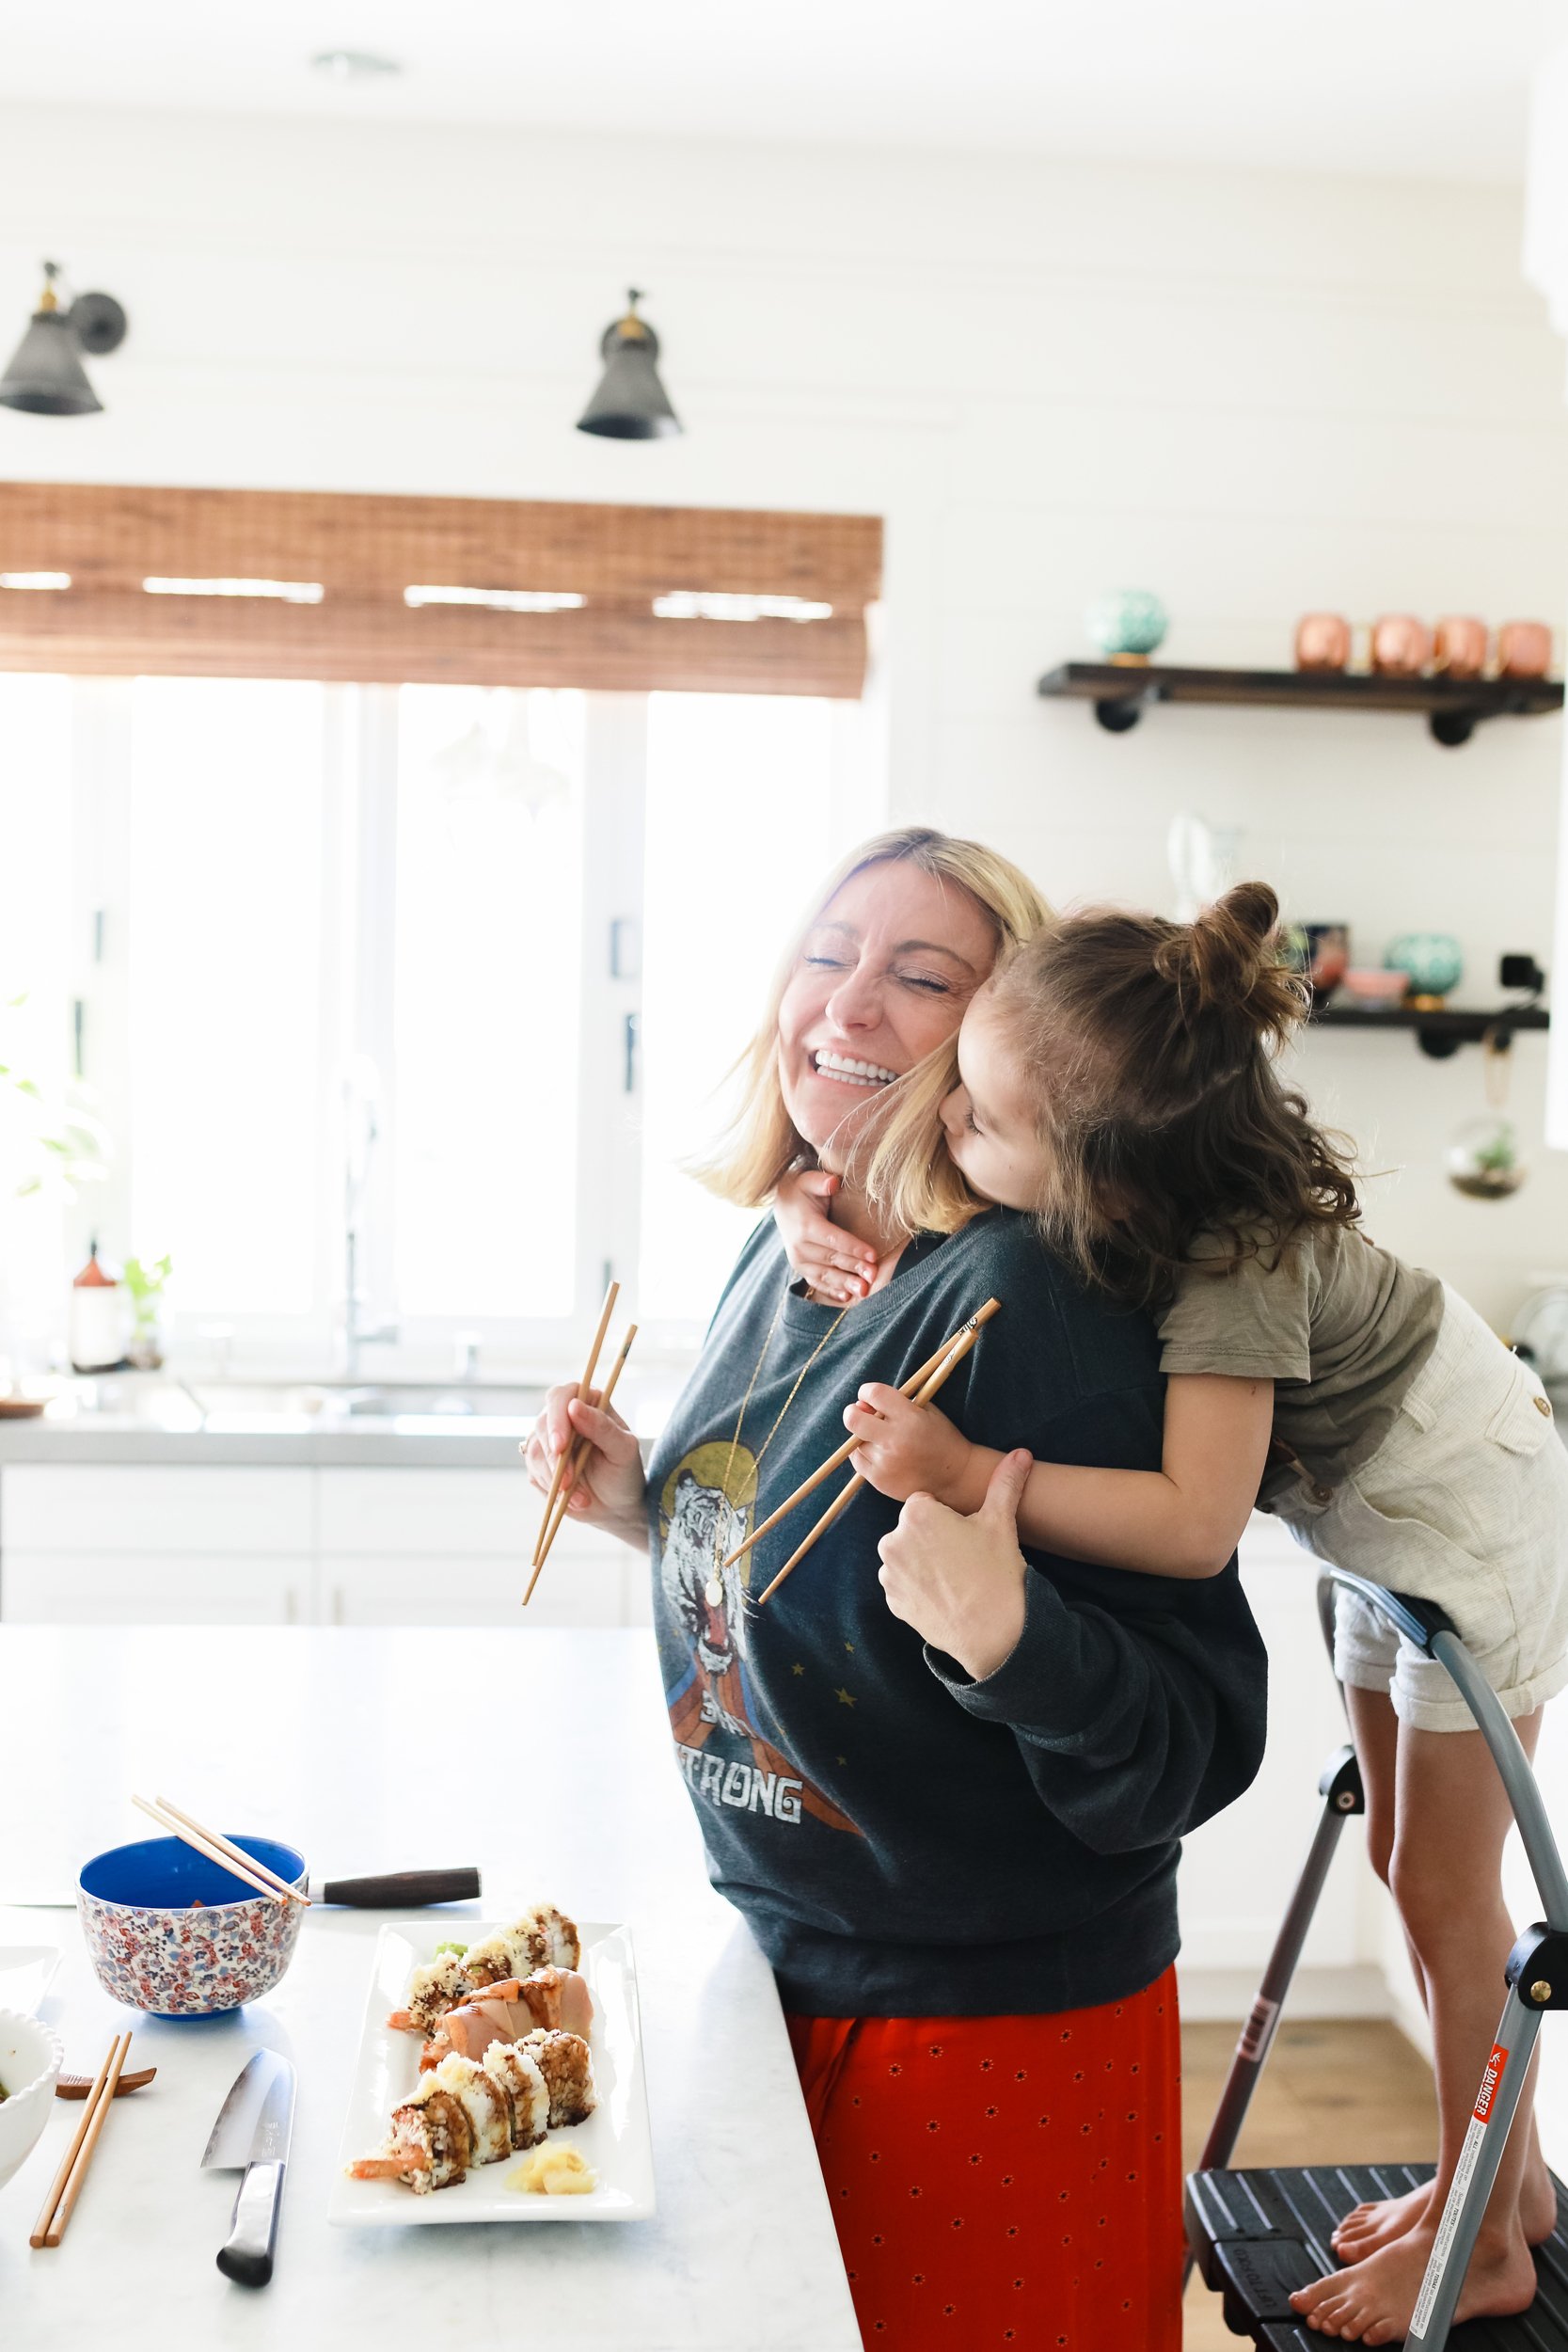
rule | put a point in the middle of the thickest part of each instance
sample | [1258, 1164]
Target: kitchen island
[290, 1731]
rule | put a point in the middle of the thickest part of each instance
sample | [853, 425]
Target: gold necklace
[713, 1591]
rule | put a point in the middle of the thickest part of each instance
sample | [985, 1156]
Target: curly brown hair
[1148, 1050]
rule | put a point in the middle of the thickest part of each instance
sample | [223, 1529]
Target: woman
[947, 1805]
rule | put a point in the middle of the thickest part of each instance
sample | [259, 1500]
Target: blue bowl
[153, 1950]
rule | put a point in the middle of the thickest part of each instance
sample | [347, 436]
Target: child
[1117, 1079]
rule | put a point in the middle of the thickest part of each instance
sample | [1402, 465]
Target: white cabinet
[111, 1544]
[144, 1588]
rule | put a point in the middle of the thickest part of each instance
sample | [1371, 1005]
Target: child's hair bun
[1229, 958]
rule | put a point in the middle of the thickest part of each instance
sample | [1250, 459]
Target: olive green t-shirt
[1339, 1326]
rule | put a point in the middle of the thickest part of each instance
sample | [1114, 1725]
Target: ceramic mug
[1459, 648]
[1401, 646]
[1524, 649]
[1322, 641]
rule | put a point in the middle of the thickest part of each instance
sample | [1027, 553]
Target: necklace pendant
[713, 1592]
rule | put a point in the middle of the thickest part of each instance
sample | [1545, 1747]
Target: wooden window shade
[317, 589]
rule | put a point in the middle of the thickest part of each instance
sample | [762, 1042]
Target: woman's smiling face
[882, 978]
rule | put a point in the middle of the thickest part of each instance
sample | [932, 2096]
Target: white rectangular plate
[26, 1972]
[615, 2138]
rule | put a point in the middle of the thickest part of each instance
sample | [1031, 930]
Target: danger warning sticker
[1489, 2082]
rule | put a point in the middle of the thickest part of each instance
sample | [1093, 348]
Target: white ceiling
[1432, 88]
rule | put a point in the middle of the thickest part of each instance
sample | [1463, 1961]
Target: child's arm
[1183, 1519]
[838, 1265]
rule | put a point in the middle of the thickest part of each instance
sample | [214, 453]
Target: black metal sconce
[630, 405]
[46, 376]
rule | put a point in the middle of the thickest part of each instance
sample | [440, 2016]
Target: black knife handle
[247, 2256]
[404, 1890]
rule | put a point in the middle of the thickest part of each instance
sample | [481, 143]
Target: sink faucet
[360, 1094]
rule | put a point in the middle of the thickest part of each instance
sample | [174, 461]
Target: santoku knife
[253, 2128]
[390, 1890]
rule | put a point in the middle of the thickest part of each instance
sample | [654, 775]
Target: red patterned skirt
[1006, 2180]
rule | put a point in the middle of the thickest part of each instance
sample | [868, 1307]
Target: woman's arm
[1183, 1519]
[1134, 1724]
[611, 1491]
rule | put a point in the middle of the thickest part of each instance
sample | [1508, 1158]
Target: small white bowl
[30, 2059]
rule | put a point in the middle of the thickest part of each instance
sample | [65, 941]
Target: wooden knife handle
[404, 1890]
[246, 2257]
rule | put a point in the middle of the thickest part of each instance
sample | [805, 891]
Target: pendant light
[46, 376]
[631, 403]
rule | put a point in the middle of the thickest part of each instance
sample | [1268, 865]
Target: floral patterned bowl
[169, 1931]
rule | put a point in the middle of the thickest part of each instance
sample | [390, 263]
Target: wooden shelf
[1439, 1034]
[1453, 707]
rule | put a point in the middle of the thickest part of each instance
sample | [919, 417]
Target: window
[460, 967]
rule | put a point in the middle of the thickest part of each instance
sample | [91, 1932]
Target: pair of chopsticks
[921, 1386]
[66, 2188]
[572, 1459]
[221, 1849]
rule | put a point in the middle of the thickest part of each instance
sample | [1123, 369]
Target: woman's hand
[610, 1486]
[960, 1581]
[838, 1265]
[907, 1449]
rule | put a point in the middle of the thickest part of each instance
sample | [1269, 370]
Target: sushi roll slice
[434, 1990]
[429, 2146]
[564, 2060]
[489, 1963]
[516, 2073]
[483, 2102]
[543, 1938]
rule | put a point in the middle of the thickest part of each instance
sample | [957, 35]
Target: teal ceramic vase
[1431, 962]
[1128, 625]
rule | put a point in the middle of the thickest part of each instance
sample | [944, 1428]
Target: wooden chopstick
[247, 1862]
[612, 1294]
[66, 2188]
[576, 1460]
[957, 1350]
[835, 1461]
[201, 1843]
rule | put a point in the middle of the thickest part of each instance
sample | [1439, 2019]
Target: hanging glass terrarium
[1484, 1160]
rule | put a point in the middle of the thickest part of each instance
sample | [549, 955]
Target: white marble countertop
[288, 1730]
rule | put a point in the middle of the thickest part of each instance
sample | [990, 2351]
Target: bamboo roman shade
[492, 592]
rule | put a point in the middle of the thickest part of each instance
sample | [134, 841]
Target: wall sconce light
[46, 376]
[631, 403]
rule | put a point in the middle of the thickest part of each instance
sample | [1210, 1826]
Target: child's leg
[1452, 1816]
[1375, 1727]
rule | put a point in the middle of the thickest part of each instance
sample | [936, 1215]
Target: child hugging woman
[1119, 1077]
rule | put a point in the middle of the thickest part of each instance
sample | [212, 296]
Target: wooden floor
[1339, 2091]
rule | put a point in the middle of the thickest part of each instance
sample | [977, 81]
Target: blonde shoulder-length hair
[901, 1160]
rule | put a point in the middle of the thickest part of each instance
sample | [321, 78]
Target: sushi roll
[489, 1963]
[516, 2073]
[483, 2102]
[434, 1990]
[429, 2146]
[564, 2060]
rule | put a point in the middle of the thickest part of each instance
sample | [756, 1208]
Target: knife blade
[253, 2128]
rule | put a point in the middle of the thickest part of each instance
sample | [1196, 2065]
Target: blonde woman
[947, 1805]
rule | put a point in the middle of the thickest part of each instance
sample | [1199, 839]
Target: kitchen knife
[253, 2128]
[399, 1890]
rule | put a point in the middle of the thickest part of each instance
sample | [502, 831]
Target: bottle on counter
[96, 1337]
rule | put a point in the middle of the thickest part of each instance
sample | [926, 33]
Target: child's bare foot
[1382, 2220]
[1373, 2301]
[1379, 2222]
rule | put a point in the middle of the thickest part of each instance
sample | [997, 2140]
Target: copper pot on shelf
[1322, 641]
[1401, 646]
[1459, 646]
[1524, 649]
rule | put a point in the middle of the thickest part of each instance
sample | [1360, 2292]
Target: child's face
[985, 1119]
